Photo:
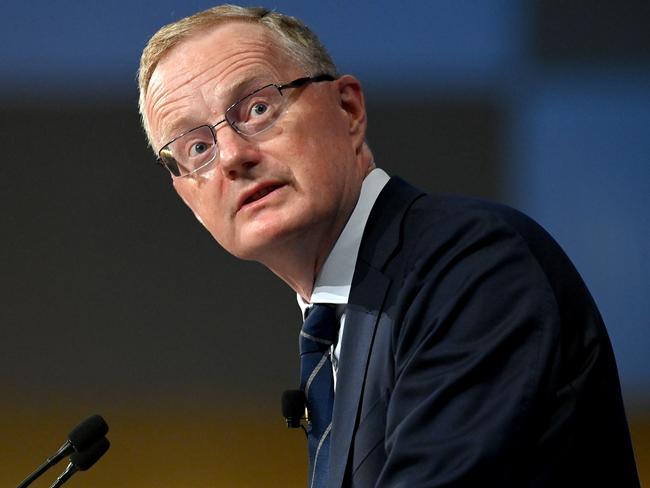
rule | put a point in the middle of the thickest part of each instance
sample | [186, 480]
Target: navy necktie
[317, 336]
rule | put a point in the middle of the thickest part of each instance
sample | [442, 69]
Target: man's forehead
[229, 41]
[230, 52]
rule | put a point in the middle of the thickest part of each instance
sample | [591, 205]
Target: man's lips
[257, 192]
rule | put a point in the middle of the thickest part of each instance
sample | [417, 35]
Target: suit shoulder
[456, 210]
[442, 224]
[408, 225]
[438, 217]
[407, 215]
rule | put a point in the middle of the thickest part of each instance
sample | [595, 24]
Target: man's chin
[264, 243]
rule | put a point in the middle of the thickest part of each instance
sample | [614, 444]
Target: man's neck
[298, 265]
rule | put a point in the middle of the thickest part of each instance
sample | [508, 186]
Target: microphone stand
[63, 451]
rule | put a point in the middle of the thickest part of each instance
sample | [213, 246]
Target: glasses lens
[169, 162]
[257, 112]
[190, 152]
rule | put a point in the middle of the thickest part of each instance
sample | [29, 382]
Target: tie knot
[319, 329]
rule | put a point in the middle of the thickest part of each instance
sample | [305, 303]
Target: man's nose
[237, 154]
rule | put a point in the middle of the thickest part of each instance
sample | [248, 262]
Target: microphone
[82, 437]
[293, 407]
[83, 460]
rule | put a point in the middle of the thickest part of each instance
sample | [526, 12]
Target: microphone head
[293, 407]
[85, 459]
[88, 432]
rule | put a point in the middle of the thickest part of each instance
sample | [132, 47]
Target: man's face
[295, 182]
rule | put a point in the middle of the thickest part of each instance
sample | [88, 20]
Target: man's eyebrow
[179, 127]
[242, 87]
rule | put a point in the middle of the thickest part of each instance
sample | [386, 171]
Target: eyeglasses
[195, 149]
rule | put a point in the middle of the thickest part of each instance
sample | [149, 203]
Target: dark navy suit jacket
[473, 355]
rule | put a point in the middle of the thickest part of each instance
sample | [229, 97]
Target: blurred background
[115, 301]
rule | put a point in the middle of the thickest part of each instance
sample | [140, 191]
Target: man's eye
[198, 148]
[259, 109]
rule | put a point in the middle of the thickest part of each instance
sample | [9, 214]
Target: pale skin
[283, 197]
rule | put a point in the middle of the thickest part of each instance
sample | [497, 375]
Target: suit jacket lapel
[369, 288]
[360, 325]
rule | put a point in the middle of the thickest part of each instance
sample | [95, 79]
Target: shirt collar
[335, 277]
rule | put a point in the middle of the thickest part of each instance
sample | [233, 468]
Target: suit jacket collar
[380, 241]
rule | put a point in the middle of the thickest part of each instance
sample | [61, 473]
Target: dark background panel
[596, 31]
[442, 144]
[105, 263]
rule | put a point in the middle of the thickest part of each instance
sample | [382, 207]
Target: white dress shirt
[335, 277]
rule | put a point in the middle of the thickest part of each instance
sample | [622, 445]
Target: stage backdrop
[115, 300]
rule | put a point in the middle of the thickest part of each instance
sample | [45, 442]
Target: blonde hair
[294, 36]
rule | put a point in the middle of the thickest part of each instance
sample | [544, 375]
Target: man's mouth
[259, 194]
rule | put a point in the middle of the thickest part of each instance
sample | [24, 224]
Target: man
[469, 350]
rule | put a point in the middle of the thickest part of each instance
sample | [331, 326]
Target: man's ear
[353, 104]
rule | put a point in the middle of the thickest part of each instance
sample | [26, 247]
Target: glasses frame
[297, 83]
